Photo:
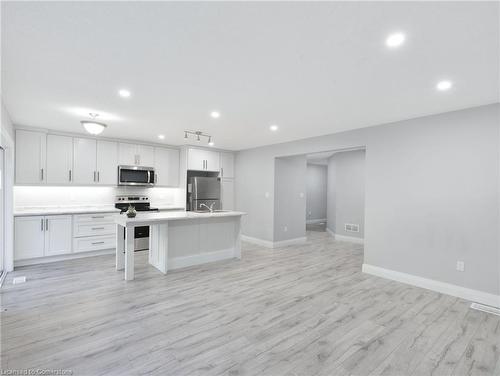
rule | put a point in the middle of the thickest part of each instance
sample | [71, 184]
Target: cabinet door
[227, 194]
[227, 165]
[30, 157]
[212, 161]
[146, 155]
[84, 161]
[167, 167]
[107, 162]
[127, 154]
[59, 159]
[58, 236]
[196, 159]
[29, 235]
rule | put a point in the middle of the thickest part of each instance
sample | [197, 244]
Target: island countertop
[145, 218]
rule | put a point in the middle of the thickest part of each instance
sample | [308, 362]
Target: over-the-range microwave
[136, 175]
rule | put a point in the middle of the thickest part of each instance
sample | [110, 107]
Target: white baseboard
[313, 221]
[430, 284]
[70, 256]
[270, 244]
[203, 258]
[284, 243]
[257, 241]
[344, 238]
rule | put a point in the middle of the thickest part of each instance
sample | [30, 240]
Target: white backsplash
[41, 196]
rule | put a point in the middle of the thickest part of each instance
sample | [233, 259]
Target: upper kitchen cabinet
[166, 167]
[203, 160]
[107, 163]
[84, 161]
[59, 159]
[127, 154]
[146, 155]
[136, 155]
[31, 157]
[227, 165]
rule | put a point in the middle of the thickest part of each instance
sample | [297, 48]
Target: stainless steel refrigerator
[204, 193]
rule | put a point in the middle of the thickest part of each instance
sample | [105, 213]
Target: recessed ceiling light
[161, 136]
[444, 85]
[395, 40]
[124, 93]
[273, 127]
[215, 114]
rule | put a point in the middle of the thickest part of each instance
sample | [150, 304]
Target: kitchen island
[179, 239]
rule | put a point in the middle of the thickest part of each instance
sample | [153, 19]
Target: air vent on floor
[350, 227]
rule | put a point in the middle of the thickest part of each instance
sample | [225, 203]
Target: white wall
[316, 192]
[7, 143]
[346, 181]
[431, 193]
[290, 198]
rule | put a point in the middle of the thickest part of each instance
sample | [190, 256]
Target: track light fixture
[198, 135]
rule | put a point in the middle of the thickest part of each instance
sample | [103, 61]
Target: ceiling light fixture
[395, 40]
[199, 135]
[161, 136]
[92, 126]
[124, 93]
[444, 85]
[215, 114]
[273, 127]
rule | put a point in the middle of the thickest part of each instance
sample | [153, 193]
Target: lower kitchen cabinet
[29, 235]
[58, 235]
[39, 236]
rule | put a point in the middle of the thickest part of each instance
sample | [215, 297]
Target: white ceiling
[312, 68]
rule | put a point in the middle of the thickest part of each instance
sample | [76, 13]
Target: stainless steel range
[141, 204]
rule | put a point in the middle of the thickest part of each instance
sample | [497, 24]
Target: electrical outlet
[460, 266]
[310, 213]
[285, 228]
[17, 280]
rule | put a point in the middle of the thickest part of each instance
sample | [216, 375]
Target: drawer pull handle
[97, 228]
[95, 243]
[98, 217]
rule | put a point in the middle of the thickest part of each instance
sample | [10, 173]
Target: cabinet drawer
[91, 229]
[94, 218]
[93, 243]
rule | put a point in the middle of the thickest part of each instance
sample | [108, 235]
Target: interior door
[107, 162]
[84, 161]
[59, 159]
[58, 235]
[30, 157]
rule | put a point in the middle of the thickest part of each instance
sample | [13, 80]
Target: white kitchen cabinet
[29, 237]
[127, 154]
[84, 161]
[203, 160]
[58, 236]
[226, 165]
[227, 194]
[136, 155]
[146, 155]
[167, 167]
[31, 157]
[107, 163]
[59, 159]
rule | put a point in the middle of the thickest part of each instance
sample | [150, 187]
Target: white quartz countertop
[55, 210]
[157, 217]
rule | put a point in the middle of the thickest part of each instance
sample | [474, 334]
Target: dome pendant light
[92, 126]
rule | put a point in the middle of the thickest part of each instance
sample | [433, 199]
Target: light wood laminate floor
[299, 310]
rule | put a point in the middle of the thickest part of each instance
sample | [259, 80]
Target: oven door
[136, 175]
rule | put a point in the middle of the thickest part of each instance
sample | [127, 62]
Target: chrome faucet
[211, 208]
